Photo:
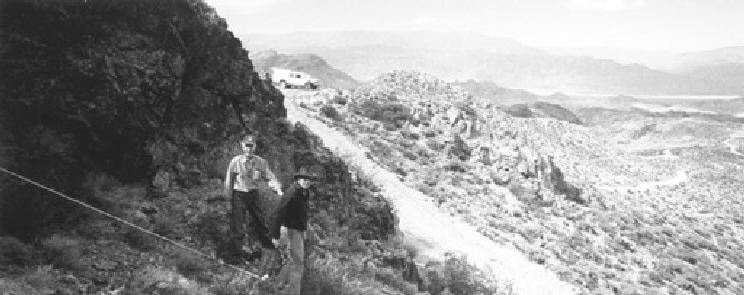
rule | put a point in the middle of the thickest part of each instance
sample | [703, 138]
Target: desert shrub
[519, 110]
[410, 135]
[41, 277]
[140, 240]
[430, 133]
[434, 144]
[454, 167]
[390, 126]
[390, 112]
[62, 252]
[338, 99]
[156, 280]
[518, 190]
[406, 143]
[323, 281]
[165, 225]
[460, 149]
[462, 279]
[329, 112]
[459, 277]
[395, 280]
[410, 155]
[14, 251]
[211, 227]
[189, 265]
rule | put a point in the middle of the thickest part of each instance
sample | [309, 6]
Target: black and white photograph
[389, 147]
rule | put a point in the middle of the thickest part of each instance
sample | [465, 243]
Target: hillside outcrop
[135, 107]
[137, 91]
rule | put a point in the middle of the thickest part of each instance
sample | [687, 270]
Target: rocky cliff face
[132, 89]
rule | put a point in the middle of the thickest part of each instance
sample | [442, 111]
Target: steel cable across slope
[137, 227]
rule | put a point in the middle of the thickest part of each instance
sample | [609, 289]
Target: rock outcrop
[140, 91]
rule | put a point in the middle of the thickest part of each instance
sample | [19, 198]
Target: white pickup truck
[287, 79]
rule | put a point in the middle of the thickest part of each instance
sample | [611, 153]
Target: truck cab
[287, 78]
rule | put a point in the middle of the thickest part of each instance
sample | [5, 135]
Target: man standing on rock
[293, 214]
[247, 175]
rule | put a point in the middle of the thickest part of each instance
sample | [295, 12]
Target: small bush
[62, 252]
[189, 265]
[395, 280]
[157, 280]
[461, 277]
[329, 112]
[410, 155]
[338, 99]
[410, 135]
[390, 112]
[165, 225]
[322, 281]
[41, 277]
[434, 144]
[13, 251]
[139, 240]
[519, 110]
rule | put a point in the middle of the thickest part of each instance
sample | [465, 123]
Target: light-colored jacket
[251, 172]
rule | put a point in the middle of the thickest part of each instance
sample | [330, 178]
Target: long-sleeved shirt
[292, 211]
[252, 173]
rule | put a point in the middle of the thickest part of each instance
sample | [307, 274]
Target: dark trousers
[247, 203]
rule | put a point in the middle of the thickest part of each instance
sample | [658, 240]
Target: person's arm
[230, 179]
[272, 179]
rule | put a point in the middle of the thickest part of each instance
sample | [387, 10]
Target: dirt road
[432, 230]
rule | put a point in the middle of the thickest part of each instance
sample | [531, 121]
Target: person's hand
[275, 242]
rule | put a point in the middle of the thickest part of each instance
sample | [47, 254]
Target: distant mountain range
[312, 64]
[723, 57]
[463, 56]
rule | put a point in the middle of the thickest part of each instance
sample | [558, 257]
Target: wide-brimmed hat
[304, 172]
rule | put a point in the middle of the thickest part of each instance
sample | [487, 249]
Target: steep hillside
[135, 107]
[308, 63]
[134, 97]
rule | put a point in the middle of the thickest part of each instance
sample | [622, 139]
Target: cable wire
[137, 227]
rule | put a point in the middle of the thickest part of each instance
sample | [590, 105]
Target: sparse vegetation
[62, 252]
[593, 198]
[330, 112]
[15, 252]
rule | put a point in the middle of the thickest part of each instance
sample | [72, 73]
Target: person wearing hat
[292, 213]
[247, 175]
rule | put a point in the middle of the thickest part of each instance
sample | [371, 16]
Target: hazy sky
[668, 25]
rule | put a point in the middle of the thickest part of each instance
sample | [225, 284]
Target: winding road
[430, 229]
